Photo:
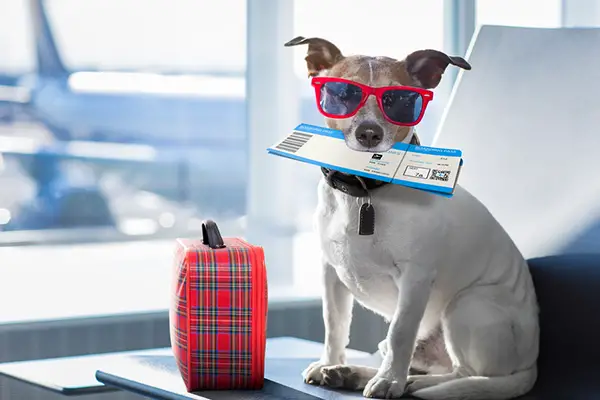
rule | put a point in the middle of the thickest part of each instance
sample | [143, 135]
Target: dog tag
[366, 219]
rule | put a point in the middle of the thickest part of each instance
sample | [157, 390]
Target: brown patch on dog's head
[423, 68]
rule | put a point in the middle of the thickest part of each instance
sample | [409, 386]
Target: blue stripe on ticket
[319, 130]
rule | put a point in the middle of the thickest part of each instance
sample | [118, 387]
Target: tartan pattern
[218, 315]
[178, 314]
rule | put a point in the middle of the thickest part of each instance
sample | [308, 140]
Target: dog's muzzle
[369, 134]
[351, 184]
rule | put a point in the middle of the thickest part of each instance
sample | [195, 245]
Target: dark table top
[157, 377]
[76, 375]
[152, 373]
[69, 376]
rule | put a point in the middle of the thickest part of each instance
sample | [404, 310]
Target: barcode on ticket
[440, 175]
[294, 142]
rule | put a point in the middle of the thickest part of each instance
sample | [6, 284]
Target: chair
[568, 293]
[526, 118]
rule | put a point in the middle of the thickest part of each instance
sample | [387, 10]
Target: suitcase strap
[211, 235]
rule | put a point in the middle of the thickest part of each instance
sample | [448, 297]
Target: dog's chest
[338, 226]
[361, 261]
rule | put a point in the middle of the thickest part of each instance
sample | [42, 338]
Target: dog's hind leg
[418, 382]
[492, 339]
[350, 377]
[430, 355]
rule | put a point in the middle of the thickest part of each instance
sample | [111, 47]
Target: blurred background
[125, 123]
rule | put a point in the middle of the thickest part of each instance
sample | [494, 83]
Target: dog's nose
[369, 134]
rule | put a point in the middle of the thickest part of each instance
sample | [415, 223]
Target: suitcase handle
[211, 235]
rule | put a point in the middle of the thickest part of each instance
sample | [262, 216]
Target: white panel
[273, 110]
[526, 117]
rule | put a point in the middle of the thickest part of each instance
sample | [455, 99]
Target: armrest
[568, 291]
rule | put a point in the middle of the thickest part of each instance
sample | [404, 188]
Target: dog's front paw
[336, 376]
[384, 388]
[312, 374]
[349, 377]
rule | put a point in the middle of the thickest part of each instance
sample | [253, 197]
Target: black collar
[351, 184]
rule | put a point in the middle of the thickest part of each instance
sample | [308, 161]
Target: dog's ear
[321, 54]
[427, 66]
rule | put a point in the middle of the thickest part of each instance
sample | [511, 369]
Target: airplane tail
[49, 61]
[478, 387]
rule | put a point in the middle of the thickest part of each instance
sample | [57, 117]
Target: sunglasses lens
[340, 98]
[402, 106]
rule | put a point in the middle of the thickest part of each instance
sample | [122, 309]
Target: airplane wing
[227, 160]
[14, 94]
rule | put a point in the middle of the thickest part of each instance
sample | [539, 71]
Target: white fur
[432, 260]
[371, 74]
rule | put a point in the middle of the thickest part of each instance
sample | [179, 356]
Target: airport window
[132, 129]
[157, 35]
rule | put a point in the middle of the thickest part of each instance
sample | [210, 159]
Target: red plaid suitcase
[218, 312]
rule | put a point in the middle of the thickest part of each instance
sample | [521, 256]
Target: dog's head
[368, 129]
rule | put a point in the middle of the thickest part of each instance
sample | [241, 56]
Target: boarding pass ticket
[421, 167]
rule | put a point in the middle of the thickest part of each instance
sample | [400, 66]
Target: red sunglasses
[342, 98]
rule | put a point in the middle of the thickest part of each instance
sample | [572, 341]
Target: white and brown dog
[456, 290]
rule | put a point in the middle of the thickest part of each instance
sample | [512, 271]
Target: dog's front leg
[414, 286]
[337, 315]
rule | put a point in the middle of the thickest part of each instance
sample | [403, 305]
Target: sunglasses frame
[318, 81]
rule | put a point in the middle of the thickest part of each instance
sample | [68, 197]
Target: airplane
[181, 136]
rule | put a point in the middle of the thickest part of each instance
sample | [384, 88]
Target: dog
[456, 291]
